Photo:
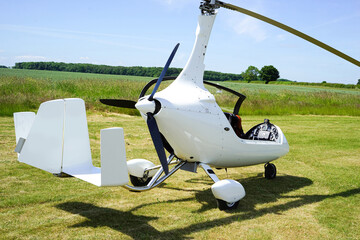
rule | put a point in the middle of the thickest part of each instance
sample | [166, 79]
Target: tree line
[120, 70]
[267, 74]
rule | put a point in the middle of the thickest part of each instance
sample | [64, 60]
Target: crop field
[316, 194]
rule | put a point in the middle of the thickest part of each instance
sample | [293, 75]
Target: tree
[269, 73]
[358, 82]
[251, 74]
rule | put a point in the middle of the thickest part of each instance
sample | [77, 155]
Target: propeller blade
[119, 103]
[163, 72]
[158, 143]
[290, 30]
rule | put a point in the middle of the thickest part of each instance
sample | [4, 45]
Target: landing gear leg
[270, 171]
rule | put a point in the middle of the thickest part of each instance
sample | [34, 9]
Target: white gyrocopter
[184, 119]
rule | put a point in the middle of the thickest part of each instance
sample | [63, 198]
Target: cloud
[69, 34]
[30, 58]
[176, 4]
[80, 35]
[281, 37]
[248, 26]
[169, 2]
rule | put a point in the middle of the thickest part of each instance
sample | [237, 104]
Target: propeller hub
[145, 106]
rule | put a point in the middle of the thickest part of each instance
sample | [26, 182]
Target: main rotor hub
[208, 7]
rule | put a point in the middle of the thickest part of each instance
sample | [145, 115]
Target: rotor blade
[119, 103]
[290, 30]
[164, 72]
[156, 138]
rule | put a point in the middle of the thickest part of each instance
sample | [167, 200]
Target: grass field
[21, 90]
[316, 194]
[60, 76]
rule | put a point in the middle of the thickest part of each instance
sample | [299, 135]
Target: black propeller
[131, 104]
[151, 121]
[158, 143]
[162, 75]
[119, 103]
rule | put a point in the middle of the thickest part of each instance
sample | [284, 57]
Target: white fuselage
[196, 127]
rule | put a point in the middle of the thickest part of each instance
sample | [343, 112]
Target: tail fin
[58, 141]
[23, 122]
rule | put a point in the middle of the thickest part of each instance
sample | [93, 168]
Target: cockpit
[265, 131]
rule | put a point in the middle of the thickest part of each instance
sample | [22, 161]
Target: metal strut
[209, 172]
[156, 180]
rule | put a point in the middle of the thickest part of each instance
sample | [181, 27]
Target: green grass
[272, 86]
[22, 90]
[265, 99]
[60, 76]
[316, 194]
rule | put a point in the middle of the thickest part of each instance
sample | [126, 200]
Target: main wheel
[223, 205]
[139, 182]
[270, 171]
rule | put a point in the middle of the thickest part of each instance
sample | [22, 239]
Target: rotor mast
[193, 71]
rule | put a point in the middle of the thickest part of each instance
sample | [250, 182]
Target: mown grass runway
[316, 194]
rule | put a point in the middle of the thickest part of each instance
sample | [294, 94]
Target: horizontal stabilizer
[113, 171]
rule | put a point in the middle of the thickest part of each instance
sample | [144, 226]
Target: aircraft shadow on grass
[259, 191]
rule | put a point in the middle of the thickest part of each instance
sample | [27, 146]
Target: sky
[144, 32]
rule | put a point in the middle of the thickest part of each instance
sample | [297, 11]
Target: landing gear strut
[270, 171]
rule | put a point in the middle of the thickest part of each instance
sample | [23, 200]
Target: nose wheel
[270, 171]
[227, 192]
[223, 205]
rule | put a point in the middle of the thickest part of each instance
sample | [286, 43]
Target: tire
[223, 205]
[270, 171]
[139, 182]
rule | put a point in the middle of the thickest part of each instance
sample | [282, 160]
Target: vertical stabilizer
[77, 152]
[23, 122]
[114, 169]
[43, 146]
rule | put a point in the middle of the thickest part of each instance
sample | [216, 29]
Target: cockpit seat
[235, 122]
